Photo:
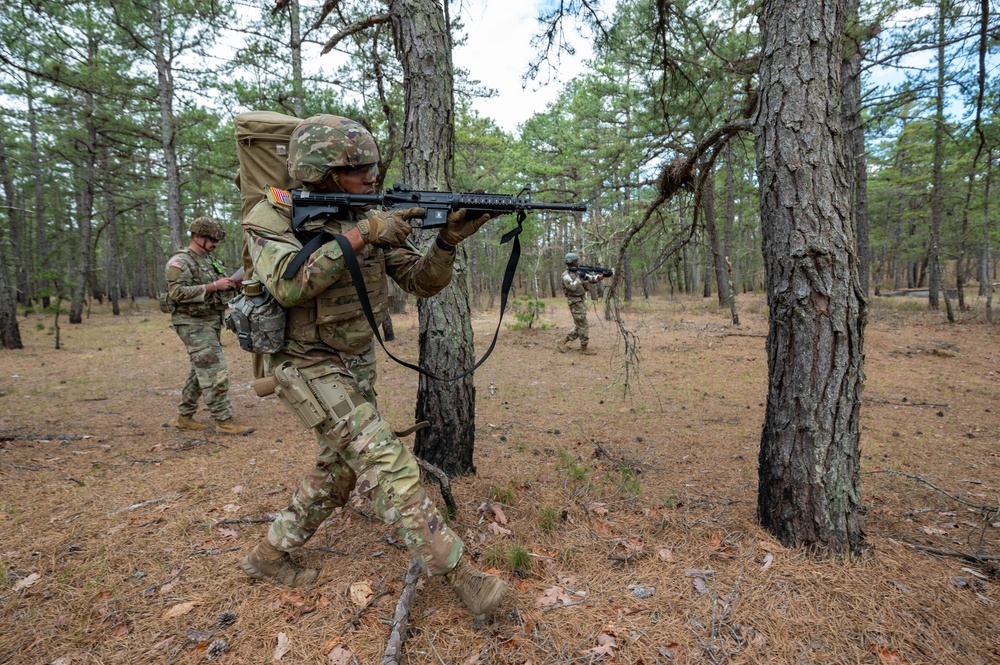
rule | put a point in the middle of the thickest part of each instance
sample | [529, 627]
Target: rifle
[308, 205]
[585, 271]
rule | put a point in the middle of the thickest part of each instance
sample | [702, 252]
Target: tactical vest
[207, 269]
[573, 295]
[334, 317]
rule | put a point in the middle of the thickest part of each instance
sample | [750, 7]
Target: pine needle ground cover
[624, 525]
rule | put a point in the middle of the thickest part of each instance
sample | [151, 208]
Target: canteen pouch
[258, 321]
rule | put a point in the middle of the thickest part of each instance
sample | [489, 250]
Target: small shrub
[503, 494]
[671, 501]
[573, 469]
[513, 557]
[527, 314]
[549, 519]
[630, 481]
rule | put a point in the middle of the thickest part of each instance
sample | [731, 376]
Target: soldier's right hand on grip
[388, 228]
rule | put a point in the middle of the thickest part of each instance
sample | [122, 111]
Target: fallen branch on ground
[988, 511]
[443, 481]
[975, 558]
[394, 645]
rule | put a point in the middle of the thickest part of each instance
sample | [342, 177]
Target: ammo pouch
[258, 321]
[321, 402]
[166, 304]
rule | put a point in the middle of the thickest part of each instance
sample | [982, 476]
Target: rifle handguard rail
[307, 205]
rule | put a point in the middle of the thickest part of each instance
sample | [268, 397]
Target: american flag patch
[281, 196]
[177, 264]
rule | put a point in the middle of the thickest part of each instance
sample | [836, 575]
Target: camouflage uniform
[576, 295]
[329, 341]
[197, 319]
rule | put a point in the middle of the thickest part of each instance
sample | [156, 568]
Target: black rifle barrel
[307, 205]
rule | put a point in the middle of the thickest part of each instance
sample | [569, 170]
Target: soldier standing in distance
[196, 285]
[325, 373]
[576, 289]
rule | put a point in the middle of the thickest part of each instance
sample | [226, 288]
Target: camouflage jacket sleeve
[421, 275]
[183, 277]
[573, 285]
[271, 254]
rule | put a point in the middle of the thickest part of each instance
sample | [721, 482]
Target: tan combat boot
[481, 592]
[587, 352]
[267, 562]
[230, 426]
[188, 422]
[561, 345]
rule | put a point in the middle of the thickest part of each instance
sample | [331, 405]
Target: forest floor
[625, 525]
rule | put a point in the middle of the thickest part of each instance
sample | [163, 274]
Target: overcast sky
[499, 50]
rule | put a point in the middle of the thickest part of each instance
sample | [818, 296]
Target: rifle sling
[351, 260]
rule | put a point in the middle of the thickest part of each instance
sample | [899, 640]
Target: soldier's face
[358, 179]
[208, 243]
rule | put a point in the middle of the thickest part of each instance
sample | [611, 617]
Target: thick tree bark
[14, 218]
[809, 475]
[295, 34]
[857, 162]
[446, 344]
[10, 334]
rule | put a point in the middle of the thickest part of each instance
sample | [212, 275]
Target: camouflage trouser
[209, 377]
[581, 328]
[361, 451]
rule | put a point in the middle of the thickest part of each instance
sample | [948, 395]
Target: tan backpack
[262, 147]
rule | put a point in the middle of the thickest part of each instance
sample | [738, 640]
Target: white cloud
[498, 53]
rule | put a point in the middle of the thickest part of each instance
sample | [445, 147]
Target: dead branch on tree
[677, 175]
[353, 28]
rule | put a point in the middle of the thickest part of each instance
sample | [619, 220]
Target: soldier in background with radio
[197, 289]
[576, 287]
[325, 371]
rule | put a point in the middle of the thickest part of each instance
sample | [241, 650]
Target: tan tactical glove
[459, 228]
[388, 228]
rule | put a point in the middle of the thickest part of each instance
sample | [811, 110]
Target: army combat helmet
[207, 227]
[572, 257]
[324, 142]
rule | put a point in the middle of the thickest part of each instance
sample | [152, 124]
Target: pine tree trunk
[937, 194]
[84, 216]
[987, 230]
[718, 257]
[41, 238]
[14, 226]
[10, 334]
[854, 130]
[112, 262]
[446, 344]
[165, 97]
[809, 473]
